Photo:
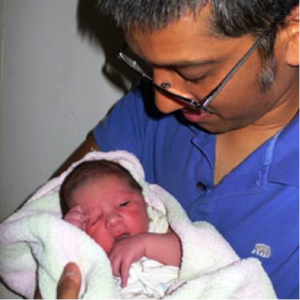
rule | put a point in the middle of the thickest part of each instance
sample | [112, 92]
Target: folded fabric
[35, 244]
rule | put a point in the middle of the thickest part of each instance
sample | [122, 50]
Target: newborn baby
[103, 199]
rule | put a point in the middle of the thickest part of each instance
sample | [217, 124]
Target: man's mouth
[122, 237]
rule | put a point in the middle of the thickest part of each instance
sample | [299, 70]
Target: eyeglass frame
[191, 102]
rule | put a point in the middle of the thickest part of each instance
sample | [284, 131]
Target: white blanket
[36, 243]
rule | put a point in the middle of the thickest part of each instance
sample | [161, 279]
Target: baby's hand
[124, 253]
[77, 217]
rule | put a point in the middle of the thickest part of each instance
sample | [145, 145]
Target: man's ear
[292, 30]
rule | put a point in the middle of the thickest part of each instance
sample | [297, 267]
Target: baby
[131, 222]
[103, 199]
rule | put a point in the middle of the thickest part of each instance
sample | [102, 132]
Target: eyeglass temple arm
[133, 65]
[218, 89]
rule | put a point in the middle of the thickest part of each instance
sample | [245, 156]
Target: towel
[35, 243]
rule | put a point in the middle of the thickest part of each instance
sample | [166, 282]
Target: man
[222, 136]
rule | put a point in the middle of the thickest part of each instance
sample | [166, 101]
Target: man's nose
[167, 104]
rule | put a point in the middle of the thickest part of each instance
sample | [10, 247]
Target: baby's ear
[292, 31]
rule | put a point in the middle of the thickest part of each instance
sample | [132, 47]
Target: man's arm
[79, 153]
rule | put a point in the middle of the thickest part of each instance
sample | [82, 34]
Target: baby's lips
[122, 236]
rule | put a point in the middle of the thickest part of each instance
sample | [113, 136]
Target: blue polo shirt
[255, 207]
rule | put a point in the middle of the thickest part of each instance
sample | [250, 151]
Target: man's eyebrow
[185, 64]
[178, 64]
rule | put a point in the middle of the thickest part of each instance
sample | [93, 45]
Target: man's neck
[235, 146]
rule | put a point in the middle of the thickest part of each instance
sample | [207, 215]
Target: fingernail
[69, 274]
[70, 270]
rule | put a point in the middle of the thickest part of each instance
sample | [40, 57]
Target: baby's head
[111, 201]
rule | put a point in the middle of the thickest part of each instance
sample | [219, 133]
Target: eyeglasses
[163, 88]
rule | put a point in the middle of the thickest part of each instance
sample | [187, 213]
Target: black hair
[88, 170]
[230, 18]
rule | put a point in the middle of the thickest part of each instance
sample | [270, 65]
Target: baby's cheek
[89, 231]
[103, 239]
[107, 247]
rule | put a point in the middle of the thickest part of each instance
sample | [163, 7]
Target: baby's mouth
[122, 237]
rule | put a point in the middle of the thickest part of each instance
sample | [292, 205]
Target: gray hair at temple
[230, 18]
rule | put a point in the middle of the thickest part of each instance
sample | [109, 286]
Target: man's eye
[195, 77]
[123, 204]
[196, 80]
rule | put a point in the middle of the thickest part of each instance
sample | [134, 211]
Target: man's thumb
[70, 282]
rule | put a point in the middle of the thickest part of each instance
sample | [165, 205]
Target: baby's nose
[113, 220]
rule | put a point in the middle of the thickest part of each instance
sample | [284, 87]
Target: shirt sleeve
[124, 127]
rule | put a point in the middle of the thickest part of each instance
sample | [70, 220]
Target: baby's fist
[77, 217]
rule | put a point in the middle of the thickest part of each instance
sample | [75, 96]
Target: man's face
[114, 210]
[194, 62]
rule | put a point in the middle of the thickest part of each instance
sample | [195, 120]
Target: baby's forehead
[117, 188]
[115, 178]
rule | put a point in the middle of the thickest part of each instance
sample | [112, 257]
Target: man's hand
[124, 253]
[70, 282]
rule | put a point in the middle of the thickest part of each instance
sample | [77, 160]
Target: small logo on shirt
[262, 250]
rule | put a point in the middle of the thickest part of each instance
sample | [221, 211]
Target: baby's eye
[123, 204]
[95, 221]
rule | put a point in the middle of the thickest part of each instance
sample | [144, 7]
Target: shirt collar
[284, 168]
[284, 155]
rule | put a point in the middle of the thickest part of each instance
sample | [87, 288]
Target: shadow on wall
[103, 33]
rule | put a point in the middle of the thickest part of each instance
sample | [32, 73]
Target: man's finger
[70, 282]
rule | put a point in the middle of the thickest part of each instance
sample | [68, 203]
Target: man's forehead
[174, 52]
[188, 39]
[185, 28]
[203, 17]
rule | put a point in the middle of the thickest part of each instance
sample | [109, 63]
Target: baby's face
[113, 210]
